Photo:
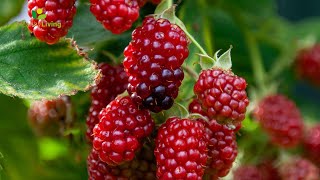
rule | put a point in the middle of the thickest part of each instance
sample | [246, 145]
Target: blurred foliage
[255, 31]
[9, 9]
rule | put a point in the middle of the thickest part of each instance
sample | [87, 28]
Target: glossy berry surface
[153, 62]
[113, 82]
[247, 172]
[299, 169]
[308, 64]
[222, 95]
[49, 117]
[222, 145]
[311, 142]
[50, 19]
[115, 15]
[121, 128]
[143, 166]
[181, 149]
[281, 119]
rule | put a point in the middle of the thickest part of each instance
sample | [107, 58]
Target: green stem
[191, 72]
[196, 43]
[256, 60]
[169, 3]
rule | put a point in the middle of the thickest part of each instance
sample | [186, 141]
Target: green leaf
[86, 30]
[206, 62]
[34, 70]
[224, 61]
[9, 9]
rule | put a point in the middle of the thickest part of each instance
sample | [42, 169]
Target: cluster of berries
[51, 19]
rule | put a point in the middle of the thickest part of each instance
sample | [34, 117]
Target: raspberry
[298, 169]
[115, 15]
[58, 19]
[121, 128]
[222, 95]
[50, 117]
[113, 82]
[247, 172]
[181, 149]
[222, 145]
[281, 119]
[311, 144]
[153, 62]
[268, 170]
[142, 167]
[141, 3]
[308, 64]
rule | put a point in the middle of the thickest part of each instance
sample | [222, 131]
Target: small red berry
[311, 144]
[181, 150]
[247, 172]
[222, 95]
[113, 82]
[308, 64]
[153, 62]
[222, 145]
[115, 15]
[50, 19]
[143, 166]
[50, 117]
[281, 119]
[121, 128]
[299, 169]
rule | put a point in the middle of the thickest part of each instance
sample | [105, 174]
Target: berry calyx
[181, 149]
[113, 82]
[120, 130]
[153, 62]
[116, 16]
[222, 95]
[50, 19]
[281, 120]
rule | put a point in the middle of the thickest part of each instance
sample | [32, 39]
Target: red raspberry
[247, 172]
[299, 169]
[181, 149]
[50, 117]
[153, 62]
[58, 18]
[222, 145]
[281, 119]
[113, 82]
[142, 167]
[121, 128]
[222, 95]
[268, 170]
[141, 3]
[115, 15]
[311, 143]
[308, 64]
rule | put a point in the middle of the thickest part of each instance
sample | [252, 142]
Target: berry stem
[190, 71]
[256, 60]
[195, 42]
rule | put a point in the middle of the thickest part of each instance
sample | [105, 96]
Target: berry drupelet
[58, 18]
[121, 128]
[222, 95]
[113, 82]
[181, 150]
[115, 15]
[153, 63]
